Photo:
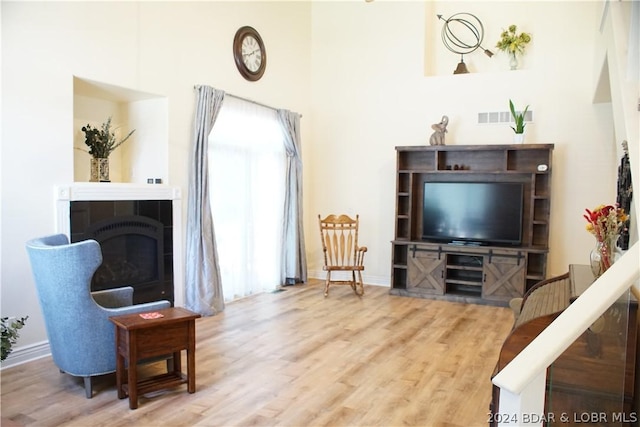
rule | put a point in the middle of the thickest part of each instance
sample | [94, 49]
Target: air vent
[501, 117]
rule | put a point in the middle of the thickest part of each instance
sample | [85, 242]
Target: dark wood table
[138, 338]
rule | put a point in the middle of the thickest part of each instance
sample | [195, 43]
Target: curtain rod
[250, 100]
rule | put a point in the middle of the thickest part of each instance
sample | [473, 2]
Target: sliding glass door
[247, 188]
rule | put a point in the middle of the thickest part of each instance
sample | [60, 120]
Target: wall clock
[249, 53]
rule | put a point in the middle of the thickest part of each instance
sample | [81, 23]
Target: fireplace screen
[132, 249]
[136, 243]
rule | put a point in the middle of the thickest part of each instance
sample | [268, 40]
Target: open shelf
[463, 289]
[143, 156]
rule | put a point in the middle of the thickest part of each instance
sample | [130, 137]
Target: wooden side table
[138, 338]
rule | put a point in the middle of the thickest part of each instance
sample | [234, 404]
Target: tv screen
[479, 213]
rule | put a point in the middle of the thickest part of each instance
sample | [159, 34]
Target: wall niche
[145, 155]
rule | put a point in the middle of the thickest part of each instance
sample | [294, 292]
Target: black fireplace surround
[136, 238]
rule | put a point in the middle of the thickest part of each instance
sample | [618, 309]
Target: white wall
[163, 48]
[370, 93]
[355, 70]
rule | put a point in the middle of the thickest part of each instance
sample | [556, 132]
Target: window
[247, 187]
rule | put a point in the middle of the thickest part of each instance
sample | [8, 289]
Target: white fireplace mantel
[98, 191]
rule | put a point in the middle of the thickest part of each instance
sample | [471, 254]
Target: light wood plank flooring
[295, 358]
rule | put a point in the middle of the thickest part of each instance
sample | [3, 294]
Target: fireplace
[138, 228]
[133, 235]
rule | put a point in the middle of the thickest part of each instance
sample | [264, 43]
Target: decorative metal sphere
[462, 33]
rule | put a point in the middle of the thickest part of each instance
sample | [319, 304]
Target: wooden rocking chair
[339, 236]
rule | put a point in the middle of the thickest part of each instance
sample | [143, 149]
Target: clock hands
[252, 59]
[250, 53]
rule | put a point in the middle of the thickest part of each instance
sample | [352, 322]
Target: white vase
[518, 138]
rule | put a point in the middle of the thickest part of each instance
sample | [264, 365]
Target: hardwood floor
[295, 358]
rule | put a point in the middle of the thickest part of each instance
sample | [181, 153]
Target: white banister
[519, 381]
[525, 408]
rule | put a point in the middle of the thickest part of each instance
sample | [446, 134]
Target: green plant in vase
[518, 118]
[101, 143]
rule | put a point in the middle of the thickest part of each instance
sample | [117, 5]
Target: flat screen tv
[474, 213]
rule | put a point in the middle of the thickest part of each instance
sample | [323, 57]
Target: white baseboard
[368, 279]
[25, 354]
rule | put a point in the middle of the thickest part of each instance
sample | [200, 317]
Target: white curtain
[247, 167]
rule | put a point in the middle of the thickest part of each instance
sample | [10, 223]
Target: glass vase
[602, 256]
[513, 61]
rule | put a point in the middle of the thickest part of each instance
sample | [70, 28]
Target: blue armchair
[81, 337]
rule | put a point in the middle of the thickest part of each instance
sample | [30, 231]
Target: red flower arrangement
[605, 222]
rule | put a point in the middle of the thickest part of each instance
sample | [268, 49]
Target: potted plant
[513, 43]
[101, 143]
[10, 334]
[518, 118]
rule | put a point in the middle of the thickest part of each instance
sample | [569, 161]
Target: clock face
[249, 53]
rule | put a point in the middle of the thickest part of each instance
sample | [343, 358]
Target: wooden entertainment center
[476, 274]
